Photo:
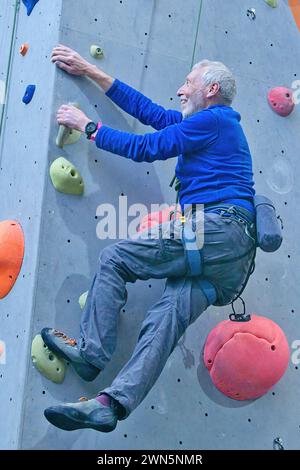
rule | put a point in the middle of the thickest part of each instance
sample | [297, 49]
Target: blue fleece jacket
[214, 161]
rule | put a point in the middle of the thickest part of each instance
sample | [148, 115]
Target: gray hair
[217, 72]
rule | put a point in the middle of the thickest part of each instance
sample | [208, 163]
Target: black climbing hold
[28, 94]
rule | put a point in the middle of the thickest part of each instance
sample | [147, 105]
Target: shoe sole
[67, 422]
[78, 368]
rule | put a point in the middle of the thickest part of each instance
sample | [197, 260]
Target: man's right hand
[69, 60]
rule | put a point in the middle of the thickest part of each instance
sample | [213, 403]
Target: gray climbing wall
[150, 44]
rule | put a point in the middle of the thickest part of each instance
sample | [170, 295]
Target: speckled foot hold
[96, 52]
[29, 92]
[82, 299]
[46, 362]
[65, 177]
[30, 4]
[272, 3]
[67, 136]
[11, 254]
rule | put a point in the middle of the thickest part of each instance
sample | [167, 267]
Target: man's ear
[213, 89]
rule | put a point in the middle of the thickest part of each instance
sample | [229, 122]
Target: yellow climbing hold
[67, 136]
[96, 52]
[272, 3]
[65, 177]
[82, 299]
[46, 362]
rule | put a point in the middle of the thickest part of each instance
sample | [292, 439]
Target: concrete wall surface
[151, 45]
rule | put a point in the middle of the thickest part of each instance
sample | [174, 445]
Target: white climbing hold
[96, 52]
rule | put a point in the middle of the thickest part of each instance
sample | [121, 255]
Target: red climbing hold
[11, 254]
[245, 359]
[158, 217]
[281, 100]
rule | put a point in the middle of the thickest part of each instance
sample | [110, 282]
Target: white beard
[194, 105]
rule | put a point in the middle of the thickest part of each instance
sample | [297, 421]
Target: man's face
[192, 94]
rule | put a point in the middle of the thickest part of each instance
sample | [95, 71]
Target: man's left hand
[72, 117]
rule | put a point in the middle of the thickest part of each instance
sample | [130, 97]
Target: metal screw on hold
[251, 13]
[278, 444]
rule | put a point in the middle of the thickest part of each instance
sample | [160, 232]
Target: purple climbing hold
[28, 94]
[29, 4]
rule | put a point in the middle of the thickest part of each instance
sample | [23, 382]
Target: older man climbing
[214, 169]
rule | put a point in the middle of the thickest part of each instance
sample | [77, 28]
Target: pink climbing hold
[156, 218]
[245, 359]
[281, 100]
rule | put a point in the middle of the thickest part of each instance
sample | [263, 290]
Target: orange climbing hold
[24, 48]
[11, 254]
[295, 8]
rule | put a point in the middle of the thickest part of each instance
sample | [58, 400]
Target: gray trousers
[182, 302]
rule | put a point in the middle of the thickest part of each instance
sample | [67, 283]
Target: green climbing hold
[272, 3]
[46, 362]
[67, 136]
[65, 177]
[96, 52]
[82, 299]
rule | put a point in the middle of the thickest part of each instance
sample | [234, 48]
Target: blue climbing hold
[29, 4]
[28, 94]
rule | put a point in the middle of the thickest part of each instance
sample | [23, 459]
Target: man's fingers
[63, 48]
[60, 51]
[64, 107]
[63, 66]
[60, 57]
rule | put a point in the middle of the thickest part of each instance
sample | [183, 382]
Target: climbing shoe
[86, 414]
[67, 348]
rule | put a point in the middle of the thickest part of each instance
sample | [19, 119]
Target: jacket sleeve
[142, 108]
[192, 134]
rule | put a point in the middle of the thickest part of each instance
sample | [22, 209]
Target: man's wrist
[93, 136]
[102, 79]
[84, 124]
[92, 71]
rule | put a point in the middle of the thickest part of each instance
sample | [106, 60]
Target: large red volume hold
[246, 359]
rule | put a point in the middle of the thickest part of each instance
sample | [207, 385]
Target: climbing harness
[194, 254]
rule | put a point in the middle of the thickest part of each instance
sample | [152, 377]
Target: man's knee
[108, 253]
